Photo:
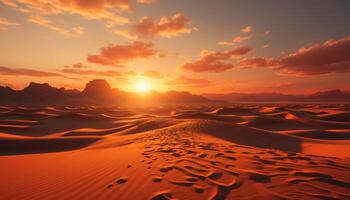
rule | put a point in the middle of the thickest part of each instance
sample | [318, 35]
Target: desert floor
[238, 152]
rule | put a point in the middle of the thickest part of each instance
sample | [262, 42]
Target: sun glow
[143, 86]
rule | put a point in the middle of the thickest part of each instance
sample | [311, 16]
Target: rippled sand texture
[240, 152]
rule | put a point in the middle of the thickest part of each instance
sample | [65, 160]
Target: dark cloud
[331, 56]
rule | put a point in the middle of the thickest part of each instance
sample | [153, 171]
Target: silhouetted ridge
[97, 87]
[96, 92]
[325, 96]
[99, 92]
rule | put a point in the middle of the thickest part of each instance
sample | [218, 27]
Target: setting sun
[143, 86]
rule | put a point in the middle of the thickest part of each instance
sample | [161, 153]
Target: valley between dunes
[238, 152]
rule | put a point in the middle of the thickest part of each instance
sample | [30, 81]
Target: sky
[201, 46]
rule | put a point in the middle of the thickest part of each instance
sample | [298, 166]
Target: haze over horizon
[165, 45]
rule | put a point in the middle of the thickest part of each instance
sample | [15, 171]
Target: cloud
[253, 62]
[167, 26]
[185, 82]
[215, 61]
[76, 71]
[5, 23]
[265, 46]
[247, 29]
[77, 65]
[10, 3]
[235, 41]
[147, 1]
[26, 72]
[37, 19]
[119, 55]
[152, 74]
[98, 9]
[330, 57]
[130, 73]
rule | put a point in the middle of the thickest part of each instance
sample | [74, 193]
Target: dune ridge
[239, 152]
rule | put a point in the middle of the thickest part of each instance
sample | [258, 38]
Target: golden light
[143, 86]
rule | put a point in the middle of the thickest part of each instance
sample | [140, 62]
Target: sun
[143, 86]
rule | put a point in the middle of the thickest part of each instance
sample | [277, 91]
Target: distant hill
[96, 92]
[325, 96]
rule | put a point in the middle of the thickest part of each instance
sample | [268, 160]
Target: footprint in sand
[122, 180]
[203, 155]
[157, 179]
[176, 154]
[165, 169]
[215, 175]
[199, 189]
[230, 157]
[260, 178]
[219, 154]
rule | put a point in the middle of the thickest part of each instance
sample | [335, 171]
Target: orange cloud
[265, 46]
[26, 72]
[5, 23]
[185, 82]
[119, 55]
[235, 41]
[77, 65]
[98, 9]
[215, 61]
[92, 72]
[247, 29]
[253, 62]
[76, 31]
[167, 26]
[152, 74]
[130, 73]
[10, 3]
[147, 1]
[330, 57]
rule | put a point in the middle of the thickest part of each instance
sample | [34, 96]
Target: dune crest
[240, 152]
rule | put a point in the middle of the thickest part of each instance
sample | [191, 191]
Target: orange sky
[195, 45]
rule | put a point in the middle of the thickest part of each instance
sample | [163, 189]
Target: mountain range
[329, 96]
[98, 92]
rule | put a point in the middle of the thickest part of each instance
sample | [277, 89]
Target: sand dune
[241, 152]
[342, 117]
[42, 145]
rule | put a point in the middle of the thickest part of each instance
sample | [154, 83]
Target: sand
[240, 152]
